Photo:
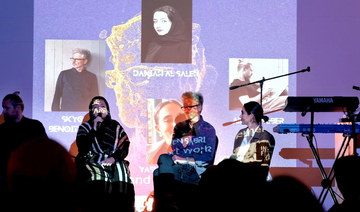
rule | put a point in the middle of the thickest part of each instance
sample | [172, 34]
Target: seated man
[194, 146]
[194, 143]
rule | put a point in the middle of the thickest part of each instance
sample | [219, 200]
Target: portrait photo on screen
[244, 71]
[163, 114]
[74, 74]
[166, 32]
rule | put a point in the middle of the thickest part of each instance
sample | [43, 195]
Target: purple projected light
[262, 32]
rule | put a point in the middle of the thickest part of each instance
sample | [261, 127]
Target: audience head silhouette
[41, 172]
[289, 194]
[347, 175]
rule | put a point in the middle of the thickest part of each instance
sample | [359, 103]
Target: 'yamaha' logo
[323, 100]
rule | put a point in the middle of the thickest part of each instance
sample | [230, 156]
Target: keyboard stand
[354, 118]
[341, 153]
[326, 183]
[331, 176]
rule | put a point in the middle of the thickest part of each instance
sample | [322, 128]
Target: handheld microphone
[98, 124]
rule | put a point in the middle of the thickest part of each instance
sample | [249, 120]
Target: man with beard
[15, 130]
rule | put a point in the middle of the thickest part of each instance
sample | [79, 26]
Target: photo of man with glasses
[75, 87]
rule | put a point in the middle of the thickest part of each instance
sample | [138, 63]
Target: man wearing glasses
[75, 87]
[194, 143]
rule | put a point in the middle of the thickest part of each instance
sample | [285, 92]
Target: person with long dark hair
[103, 172]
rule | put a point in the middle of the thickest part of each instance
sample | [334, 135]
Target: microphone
[306, 69]
[98, 124]
[356, 88]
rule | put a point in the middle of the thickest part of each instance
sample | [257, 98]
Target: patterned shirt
[201, 142]
[261, 147]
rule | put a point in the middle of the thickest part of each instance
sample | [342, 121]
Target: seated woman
[253, 144]
[102, 169]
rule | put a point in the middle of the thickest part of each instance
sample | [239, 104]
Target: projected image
[134, 82]
[162, 117]
[141, 81]
[166, 31]
[73, 74]
[242, 72]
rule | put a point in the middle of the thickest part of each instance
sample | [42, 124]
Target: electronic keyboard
[318, 128]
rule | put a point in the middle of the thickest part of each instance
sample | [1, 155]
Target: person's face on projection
[78, 61]
[162, 23]
[167, 120]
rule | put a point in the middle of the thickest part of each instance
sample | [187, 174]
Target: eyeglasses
[71, 58]
[189, 107]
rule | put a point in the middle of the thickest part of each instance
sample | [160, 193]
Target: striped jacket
[94, 146]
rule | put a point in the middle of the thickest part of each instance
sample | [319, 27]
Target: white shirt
[245, 144]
